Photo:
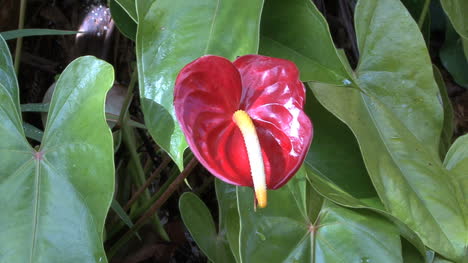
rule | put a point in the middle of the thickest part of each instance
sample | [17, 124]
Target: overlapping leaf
[54, 199]
[299, 226]
[392, 107]
[200, 223]
[456, 10]
[397, 120]
[172, 33]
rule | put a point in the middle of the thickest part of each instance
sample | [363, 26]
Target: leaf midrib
[395, 163]
[36, 201]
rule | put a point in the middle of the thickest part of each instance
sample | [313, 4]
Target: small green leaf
[129, 6]
[456, 161]
[32, 132]
[447, 130]
[124, 22]
[453, 58]
[30, 32]
[118, 209]
[197, 218]
[172, 33]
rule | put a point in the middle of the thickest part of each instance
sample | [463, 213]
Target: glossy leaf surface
[453, 57]
[198, 220]
[283, 22]
[211, 89]
[393, 109]
[456, 10]
[309, 229]
[54, 200]
[173, 33]
[124, 22]
[398, 125]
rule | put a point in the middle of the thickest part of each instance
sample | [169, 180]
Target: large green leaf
[456, 10]
[54, 199]
[299, 226]
[284, 23]
[197, 218]
[397, 118]
[172, 33]
[392, 107]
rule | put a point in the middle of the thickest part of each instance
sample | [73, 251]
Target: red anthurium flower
[244, 120]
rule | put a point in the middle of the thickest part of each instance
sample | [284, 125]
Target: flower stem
[19, 41]
[423, 14]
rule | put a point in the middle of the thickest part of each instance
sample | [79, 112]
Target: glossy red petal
[206, 95]
[274, 96]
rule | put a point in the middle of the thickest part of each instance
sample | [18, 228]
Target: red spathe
[210, 89]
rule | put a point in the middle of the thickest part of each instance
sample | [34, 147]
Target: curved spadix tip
[254, 152]
[261, 195]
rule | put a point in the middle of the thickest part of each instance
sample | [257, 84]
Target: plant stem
[128, 139]
[155, 174]
[423, 14]
[19, 41]
[169, 191]
[128, 97]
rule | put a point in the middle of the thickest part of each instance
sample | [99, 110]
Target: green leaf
[456, 10]
[124, 22]
[283, 22]
[447, 130]
[32, 132]
[418, 9]
[197, 218]
[228, 215]
[129, 6]
[7, 35]
[393, 110]
[118, 209]
[55, 200]
[345, 167]
[172, 33]
[456, 161]
[35, 107]
[453, 58]
[296, 226]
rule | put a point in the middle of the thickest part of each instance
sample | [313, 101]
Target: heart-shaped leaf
[172, 33]
[393, 109]
[299, 226]
[396, 116]
[54, 199]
